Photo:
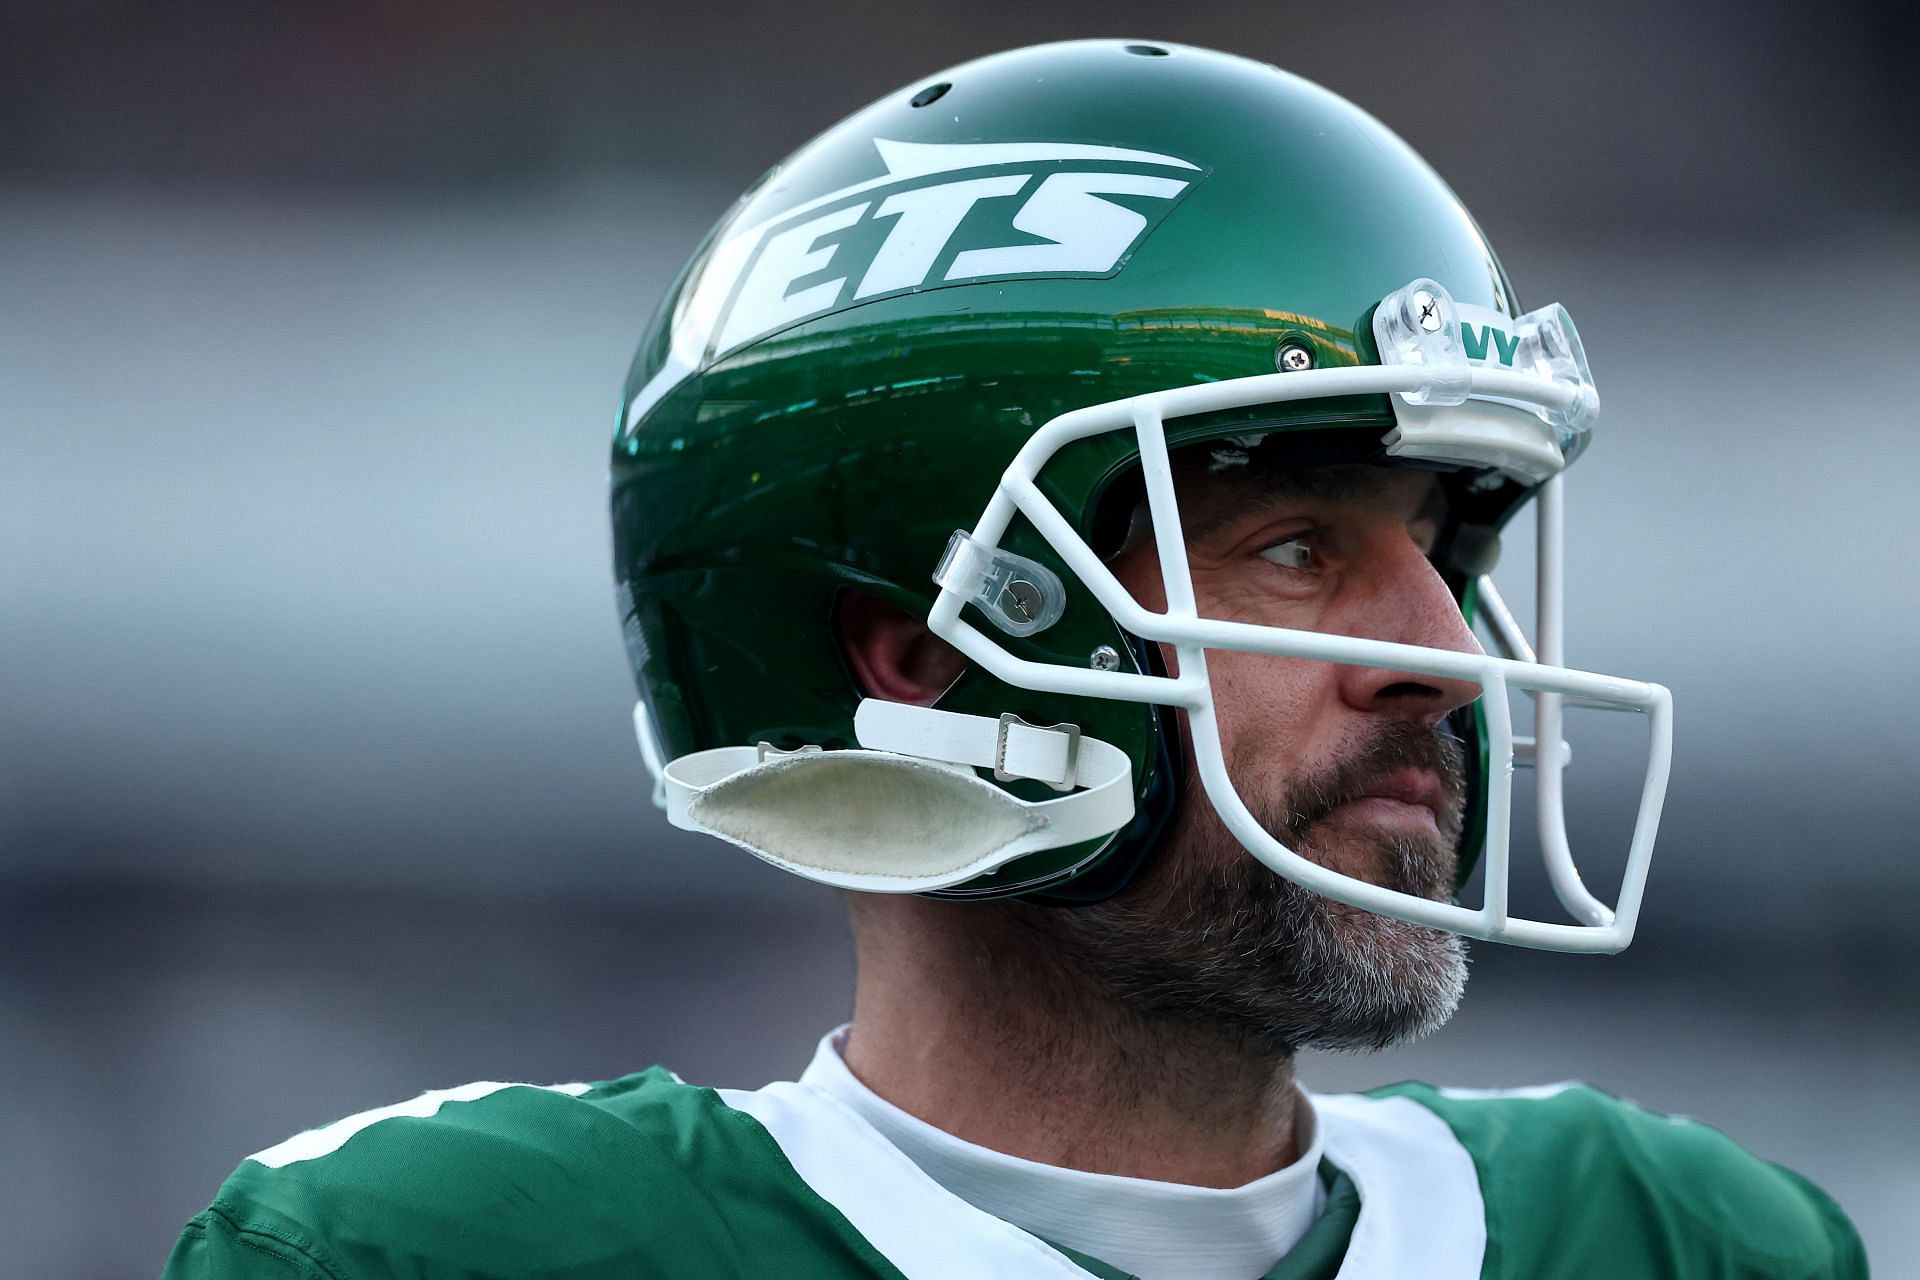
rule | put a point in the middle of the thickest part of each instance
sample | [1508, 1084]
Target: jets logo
[1486, 334]
[940, 214]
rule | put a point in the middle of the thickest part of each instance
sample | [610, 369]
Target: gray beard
[1213, 942]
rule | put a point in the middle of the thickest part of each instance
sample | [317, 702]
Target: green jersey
[647, 1176]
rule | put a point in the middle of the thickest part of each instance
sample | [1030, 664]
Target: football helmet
[941, 355]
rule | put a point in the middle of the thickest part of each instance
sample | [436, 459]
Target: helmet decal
[940, 214]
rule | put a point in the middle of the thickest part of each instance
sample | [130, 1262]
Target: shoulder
[1567, 1170]
[640, 1176]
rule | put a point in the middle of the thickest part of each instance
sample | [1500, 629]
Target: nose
[1408, 602]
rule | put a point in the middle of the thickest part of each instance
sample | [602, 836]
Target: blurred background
[316, 783]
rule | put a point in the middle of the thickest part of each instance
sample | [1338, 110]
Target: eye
[1294, 553]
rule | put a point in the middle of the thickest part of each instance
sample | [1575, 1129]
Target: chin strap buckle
[1046, 753]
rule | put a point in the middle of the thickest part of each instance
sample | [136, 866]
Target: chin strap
[906, 811]
[1009, 746]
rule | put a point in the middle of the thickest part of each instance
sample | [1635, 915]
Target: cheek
[1271, 712]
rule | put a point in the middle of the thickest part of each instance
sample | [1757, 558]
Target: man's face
[1351, 767]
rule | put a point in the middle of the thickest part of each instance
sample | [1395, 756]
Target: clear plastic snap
[1550, 348]
[1019, 595]
[1418, 325]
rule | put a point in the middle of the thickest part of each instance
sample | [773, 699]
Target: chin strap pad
[906, 812]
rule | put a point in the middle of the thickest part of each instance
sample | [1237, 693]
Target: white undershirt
[1155, 1230]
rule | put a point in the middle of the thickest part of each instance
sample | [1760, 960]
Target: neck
[964, 1018]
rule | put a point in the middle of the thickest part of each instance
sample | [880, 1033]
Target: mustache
[1389, 749]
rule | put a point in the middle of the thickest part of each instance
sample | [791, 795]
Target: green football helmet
[940, 355]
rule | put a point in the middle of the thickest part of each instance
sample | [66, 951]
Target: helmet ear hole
[893, 654]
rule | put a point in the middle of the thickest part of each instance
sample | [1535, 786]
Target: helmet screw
[1426, 310]
[1105, 658]
[1021, 600]
[1293, 358]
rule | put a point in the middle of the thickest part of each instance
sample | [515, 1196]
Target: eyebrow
[1259, 484]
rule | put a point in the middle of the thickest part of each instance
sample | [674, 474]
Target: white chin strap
[907, 811]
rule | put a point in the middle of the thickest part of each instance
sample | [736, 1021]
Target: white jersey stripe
[328, 1139]
[921, 1228]
[1421, 1213]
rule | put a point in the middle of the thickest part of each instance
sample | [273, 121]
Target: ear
[893, 654]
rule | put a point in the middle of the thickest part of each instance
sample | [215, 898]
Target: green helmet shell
[836, 381]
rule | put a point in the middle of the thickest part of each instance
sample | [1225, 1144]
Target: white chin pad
[868, 820]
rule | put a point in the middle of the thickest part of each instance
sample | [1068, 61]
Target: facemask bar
[1190, 635]
[1550, 752]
